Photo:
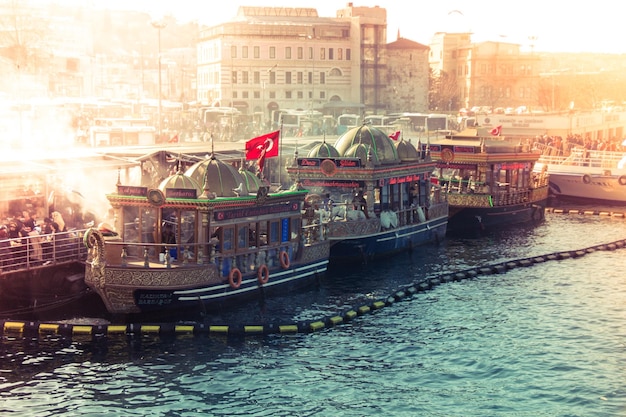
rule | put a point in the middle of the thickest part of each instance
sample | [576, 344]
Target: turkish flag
[496, 131]
[262, 147]
[395, 135]
[265, 144]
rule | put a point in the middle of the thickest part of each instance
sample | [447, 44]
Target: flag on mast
[496, 131]
[261, 147]
[395, 135]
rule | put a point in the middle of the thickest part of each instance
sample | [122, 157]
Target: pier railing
[37, 251]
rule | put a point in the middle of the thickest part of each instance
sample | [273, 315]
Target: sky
[549, 25]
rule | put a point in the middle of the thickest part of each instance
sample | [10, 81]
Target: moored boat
[183, 245]
[373, 195]
[583, 173]
[489, 181]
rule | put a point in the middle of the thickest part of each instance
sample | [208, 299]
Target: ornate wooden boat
[488, 180]
[373, 194]
[182, 245]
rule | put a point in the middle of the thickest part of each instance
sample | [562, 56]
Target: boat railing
[124, 254]
[501, 195]
[581, 156]
[36, 251]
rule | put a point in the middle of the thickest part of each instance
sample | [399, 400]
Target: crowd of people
[564, 145]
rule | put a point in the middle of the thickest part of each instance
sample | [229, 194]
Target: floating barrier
[586, 212]
[14, 328]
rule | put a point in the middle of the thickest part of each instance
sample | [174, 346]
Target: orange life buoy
[587, 179]
[263, 274]
[284, 259]
[234, 278]
[622, 180]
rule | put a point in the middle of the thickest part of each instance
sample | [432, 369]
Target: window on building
[348, 54]
[300, 52]
[257, 94]
[322, 53]
[272, 94]
[272, 77]
[257, 52]
[244, 94]
[331, 53]
[244, 77]
[233, 51]
[300, 77]
[257, 77]
[322, 94]
[288, 77]
[339, 54]
[288, 52]
[287, 94]
[310, 52]
[244, 52]
[300, 94]
[272, 52]
[310, 77]
[322, 78]
[234, 94]
[234, 77]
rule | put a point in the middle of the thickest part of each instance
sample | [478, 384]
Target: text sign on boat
[340, 162]
[253, 211]
[181, 193]
[307, 183]
[131, 190]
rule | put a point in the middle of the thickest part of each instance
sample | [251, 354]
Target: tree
[443, 92]
[22, 36]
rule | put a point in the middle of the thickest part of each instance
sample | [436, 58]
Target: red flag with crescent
[261, 147]
[496, 131]
[395, 135]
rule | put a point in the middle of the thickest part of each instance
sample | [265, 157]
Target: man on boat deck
[360, 203]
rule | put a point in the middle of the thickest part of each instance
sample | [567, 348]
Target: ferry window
[132, 228]
[242, 237]
[274, 232]
[285, 231]
[228, 238]
[295, 226]
[187, 226]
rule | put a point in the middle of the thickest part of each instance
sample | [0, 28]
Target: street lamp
[159, 24]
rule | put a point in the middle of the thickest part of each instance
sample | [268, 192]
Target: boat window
[295, 226]
[188, 226]
[227, 242]
[285, 235]
[242, 236]
[132, 225]
[274, 232]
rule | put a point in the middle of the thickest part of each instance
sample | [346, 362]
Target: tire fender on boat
[234, 278]
[263, 274]
[622, 180]
[587, 179]
[284, 259]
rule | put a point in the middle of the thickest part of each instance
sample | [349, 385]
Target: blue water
[547, 340]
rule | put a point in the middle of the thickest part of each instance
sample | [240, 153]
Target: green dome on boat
[361, 151]
[406, 151]
[222, 178]
[382, 147]
[180, 181]
[323, 150]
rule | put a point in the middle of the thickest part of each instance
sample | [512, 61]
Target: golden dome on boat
[378, 142]
[222, 178]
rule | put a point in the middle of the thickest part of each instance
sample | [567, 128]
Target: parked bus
[298, 122]
[121, 132]
[346, 122]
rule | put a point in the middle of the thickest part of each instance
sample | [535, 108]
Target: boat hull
[139, 287]
[592, 187]
[476, 219]
[383, 243]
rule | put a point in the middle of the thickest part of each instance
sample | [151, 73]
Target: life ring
[587, 179]
[622, 180]
[263, 274]
[234, 278]
[284, 259]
